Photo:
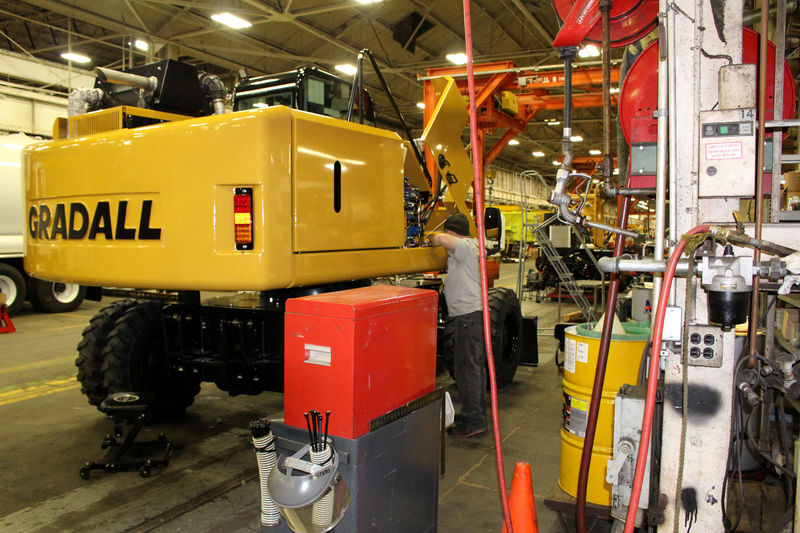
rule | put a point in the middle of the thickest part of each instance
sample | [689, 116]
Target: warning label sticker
[582, 352]
[569, 355]
[727, 150]
[574, 415]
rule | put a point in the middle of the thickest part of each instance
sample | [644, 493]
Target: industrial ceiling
[407, 37]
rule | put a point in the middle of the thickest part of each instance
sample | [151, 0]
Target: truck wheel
[12, 284]
[134, 360]
[90, 350]
[505, 315]
[52, 297]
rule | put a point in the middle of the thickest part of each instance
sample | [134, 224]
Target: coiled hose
[264, 447]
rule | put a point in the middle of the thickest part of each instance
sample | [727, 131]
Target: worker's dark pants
[470, 367]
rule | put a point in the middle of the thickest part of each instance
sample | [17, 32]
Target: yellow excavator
[150, 184]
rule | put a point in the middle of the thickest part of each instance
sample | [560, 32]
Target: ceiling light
[513, 142]
[141, 45]
[260, 105]
[595, 152]
[369, 1]
[616, 171]
[421, 105]
[553, 123]
[589, 50]
[556, 163]
[348, 69]
[576, 138]
[595, 181]
[614, 90]
[537, 154]
[75, 58]
[459, 59]
[231, 20]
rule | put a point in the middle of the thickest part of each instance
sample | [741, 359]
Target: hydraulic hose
[599, 376]
[652, 377]
[477, 188]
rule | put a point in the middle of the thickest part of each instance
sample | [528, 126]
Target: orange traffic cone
[521, 504]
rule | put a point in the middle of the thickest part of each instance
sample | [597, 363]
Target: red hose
[652, 378]
[599, 376]
[477, 188]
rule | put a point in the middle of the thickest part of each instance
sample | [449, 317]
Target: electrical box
[358, 353]
[727, 153]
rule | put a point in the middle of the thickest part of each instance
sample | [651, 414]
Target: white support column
[693, 463]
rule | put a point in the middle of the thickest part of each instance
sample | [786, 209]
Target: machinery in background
[54, 297]
[267, 204]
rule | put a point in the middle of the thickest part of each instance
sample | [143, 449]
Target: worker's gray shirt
[462, 287]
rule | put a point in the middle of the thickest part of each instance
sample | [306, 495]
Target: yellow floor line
[37, 364]
[38, 391]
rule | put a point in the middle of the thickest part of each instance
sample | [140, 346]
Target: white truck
[48, 296]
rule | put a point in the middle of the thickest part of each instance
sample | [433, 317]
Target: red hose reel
[630, 20]
[638, 97]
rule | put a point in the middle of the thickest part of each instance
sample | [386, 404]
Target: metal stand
[133, 409]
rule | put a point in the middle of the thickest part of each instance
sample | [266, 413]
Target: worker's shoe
[464, 429]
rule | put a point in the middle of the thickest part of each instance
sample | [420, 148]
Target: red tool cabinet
[358, 353]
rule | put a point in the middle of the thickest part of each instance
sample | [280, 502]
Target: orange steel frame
[533, 96]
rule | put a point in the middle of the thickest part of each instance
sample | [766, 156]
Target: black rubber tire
[505, 316]
[134, 360]
[12, 284]
[90, 350]
[54, 297]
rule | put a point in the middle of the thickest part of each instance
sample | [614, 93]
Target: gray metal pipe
[125, 78]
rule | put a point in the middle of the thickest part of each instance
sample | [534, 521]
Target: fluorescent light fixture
[553, 123]
[421, 105]
[614, 90]
[513, 142]
[75, 58]
[459, 59]
[556, 163]
[141, 45]
[576, 138]
[348, 69]
[365, 2]
[652, 210]
[537, 154]
[616, 171]
[589, 50]
[260, 105]
[230, 20]
[595, 152]
[595, 181]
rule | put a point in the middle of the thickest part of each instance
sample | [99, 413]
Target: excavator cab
[306, 89]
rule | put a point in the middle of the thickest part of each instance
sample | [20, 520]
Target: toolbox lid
[363, 302]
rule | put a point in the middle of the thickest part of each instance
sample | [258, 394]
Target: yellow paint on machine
[153, 206]
[38, 390]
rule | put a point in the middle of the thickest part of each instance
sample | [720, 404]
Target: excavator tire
[134, 361]
[90, 350]
[505, 316]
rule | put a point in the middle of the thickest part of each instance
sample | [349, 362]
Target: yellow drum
[580, 361]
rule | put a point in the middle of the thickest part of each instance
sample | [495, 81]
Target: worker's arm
[443, 239]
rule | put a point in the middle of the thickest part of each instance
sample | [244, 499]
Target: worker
[462, 292]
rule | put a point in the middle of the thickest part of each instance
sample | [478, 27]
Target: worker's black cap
[457, 223]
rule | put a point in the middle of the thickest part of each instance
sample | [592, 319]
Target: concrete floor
[49, 431]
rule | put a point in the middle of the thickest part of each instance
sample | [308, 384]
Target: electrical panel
[727, 153]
